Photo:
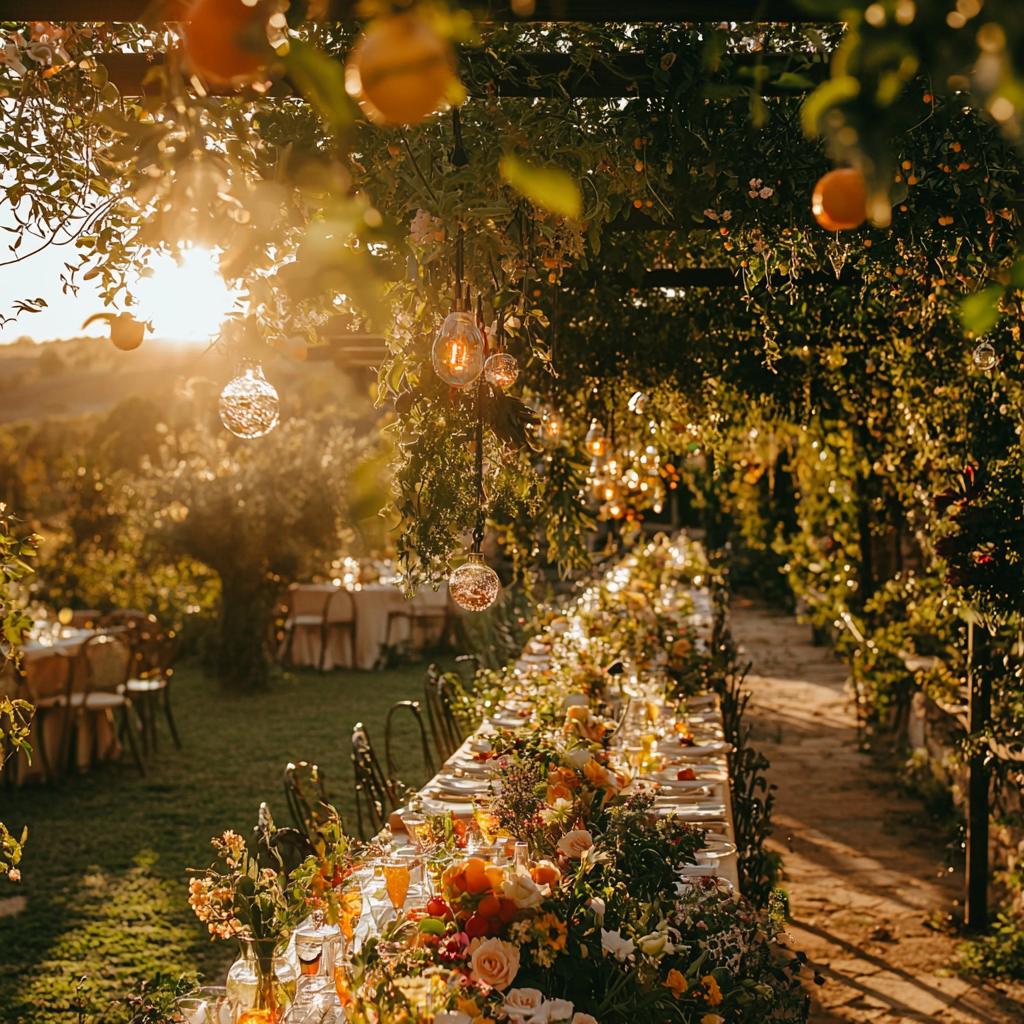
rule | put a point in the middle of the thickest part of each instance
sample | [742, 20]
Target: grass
[104, 872]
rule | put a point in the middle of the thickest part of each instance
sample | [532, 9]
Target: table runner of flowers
[600, 917]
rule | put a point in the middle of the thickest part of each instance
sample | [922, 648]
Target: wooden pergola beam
[626, 75]
[593, 11]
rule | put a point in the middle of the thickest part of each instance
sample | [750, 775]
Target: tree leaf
[551, 188]
[980, 312]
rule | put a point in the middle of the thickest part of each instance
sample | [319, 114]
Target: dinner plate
[692, 812]
[455, 784]
[697, 750]
[707, 774]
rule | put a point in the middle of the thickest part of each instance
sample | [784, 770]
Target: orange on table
[840, 199]
[227, 39]
[400, 70]
[490, 906]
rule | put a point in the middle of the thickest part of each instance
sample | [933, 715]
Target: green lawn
[103, 874]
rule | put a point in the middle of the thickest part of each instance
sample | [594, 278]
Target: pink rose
[495, 963]
[521, 1003]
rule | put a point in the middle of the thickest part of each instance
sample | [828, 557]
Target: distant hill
[83, 375]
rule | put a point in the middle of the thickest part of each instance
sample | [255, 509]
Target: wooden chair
[339, 617]
[375, 798]
[106, 662]
[444, 727]
[428, 762]
[54, 699]
[420, 612]
[288, 846]
[306, 608]
[153, 652]
[311, 811]
[86, 618]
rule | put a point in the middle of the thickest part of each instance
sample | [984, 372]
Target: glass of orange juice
[343, 982]
[396, 881]
[486, 819]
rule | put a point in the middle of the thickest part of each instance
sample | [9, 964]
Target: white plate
[698, 750]
[454, 784]
[707, 774]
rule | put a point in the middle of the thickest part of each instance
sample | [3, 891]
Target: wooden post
[976, 918]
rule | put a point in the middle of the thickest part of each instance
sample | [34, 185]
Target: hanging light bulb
[474, 585]
[550, 424]
[501, 370]
[595, 440]
[637, 402]
[985, 356]
[249, 405]
[458, 352]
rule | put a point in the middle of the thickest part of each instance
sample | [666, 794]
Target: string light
[595, 440]
[458, 352]
[501, 370]
[985, 356]
[249, 405]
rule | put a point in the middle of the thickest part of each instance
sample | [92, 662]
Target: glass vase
[260, 990]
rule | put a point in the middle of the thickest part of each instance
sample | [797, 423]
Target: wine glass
[397, 875]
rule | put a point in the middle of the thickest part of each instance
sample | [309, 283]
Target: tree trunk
[246, 606]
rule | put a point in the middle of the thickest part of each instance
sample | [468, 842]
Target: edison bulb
[458, 352]
[474, 585]
[501, 370]
[595, 440]
[249, 405]
[550, 425]
[985, 356]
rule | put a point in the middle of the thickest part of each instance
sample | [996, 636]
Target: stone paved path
[864, 869]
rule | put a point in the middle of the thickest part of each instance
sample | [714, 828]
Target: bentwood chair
[339, 617]
[305, 792]
[50, 694]
[153, 651]
[428, 762]
[288, 846]
[444, 726]
[106, 662]
[306, 608]
[375, 797]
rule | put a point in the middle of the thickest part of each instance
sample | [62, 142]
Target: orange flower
[714, 993]
[676, 982]
[558, 793]
[599, 776]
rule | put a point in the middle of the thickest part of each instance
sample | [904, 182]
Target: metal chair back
[444, 726]
[305, 792]
[428, 761]
[375, 799]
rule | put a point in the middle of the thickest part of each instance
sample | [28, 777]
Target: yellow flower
[712, 1018]
[468, 1006]
[714, 994]
[676, 982]
[545, 926]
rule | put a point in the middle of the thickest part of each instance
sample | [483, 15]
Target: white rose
[540, 1015]
[577, 758]
[614, 943]
[580, 1018]
[524, 891]
[521, 1003]
[576, 843]
[559, 1010]
[495, 963]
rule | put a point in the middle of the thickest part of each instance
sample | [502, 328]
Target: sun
[186, 302]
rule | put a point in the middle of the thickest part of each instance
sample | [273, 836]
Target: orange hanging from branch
[125, 331]
[400, 70]
[226, 40]
[840, 199]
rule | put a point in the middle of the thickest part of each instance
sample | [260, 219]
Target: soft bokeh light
[187, 302]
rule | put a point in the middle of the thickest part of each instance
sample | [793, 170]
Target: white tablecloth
[373, 604]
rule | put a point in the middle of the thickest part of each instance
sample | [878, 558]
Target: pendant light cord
[478, 530]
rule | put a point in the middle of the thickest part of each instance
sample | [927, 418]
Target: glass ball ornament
[595, 440]
[458, 352]
[249, 406]
[474, 585]
[501, 370]
[985, 356]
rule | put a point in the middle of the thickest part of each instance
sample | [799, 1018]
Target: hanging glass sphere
[249, 406]
[501, 370]
[985, 356]
[474, 585]
[550, 425]
[595, 441]
[458, 352]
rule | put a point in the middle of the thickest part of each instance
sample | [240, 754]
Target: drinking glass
[486, 819]
[396, 880]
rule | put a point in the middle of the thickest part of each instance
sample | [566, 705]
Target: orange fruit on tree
[840, 199]
[226, 40]
[400, 70]
[125, 331]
